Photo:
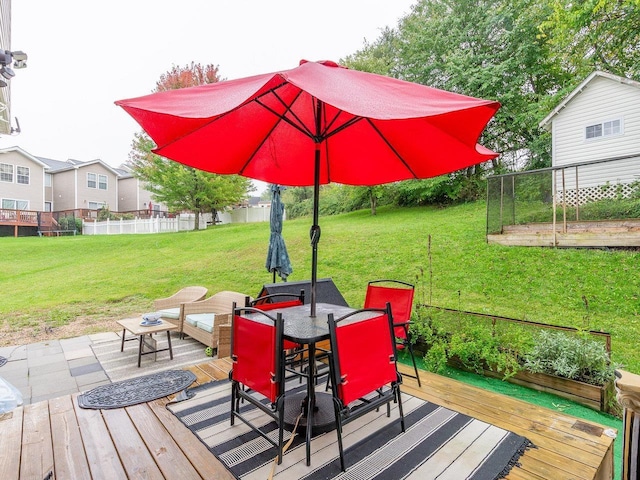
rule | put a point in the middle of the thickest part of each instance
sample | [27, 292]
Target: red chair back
[364, 356]
[269, 302]
[265, 307]
[255, 354]
[400, 298]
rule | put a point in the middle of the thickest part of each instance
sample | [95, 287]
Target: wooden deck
[147, 441]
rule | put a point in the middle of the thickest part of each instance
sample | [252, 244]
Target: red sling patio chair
[364, 374]
[400, 295]
[258, 366]
[282, 300]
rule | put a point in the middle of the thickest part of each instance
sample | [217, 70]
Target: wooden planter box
[592, 396]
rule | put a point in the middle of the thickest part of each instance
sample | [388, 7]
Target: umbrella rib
[298, 126]
[384, 139]
[280, 118]
[347, 124]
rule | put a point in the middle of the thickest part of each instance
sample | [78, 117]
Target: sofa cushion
[191, 320]
[204, 321]
[170, 313]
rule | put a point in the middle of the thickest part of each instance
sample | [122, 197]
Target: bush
[476, 344]
[483, 343]
[569, 356]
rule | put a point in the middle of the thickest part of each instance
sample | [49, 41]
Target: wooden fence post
[628, 395]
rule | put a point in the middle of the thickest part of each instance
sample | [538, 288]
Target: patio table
[132, 325]
[300, 327]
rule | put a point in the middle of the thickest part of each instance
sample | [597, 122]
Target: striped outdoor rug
[124, 365]
[438, 443]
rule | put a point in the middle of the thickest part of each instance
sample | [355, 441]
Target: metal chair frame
[384, 388]
[401, 324]
[275, 409]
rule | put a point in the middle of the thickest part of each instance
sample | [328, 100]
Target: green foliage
[480, 344]
[573, 357]
[335, 199]
[477, 344]
[596, 35]
[70, 223]
[488, 49]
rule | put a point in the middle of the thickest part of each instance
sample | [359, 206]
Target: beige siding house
[132, 196]
[44, 185]
[22, 181]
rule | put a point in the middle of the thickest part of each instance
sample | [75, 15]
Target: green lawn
[51, 281]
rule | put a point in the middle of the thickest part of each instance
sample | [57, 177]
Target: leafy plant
[476, 344]
[569, 356]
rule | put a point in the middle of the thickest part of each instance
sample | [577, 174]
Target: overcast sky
[84, 55]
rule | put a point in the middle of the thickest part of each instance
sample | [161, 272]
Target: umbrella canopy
[277, 256]
[314, 124]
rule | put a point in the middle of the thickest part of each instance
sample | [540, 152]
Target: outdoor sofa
[169, 307]
[201, 320]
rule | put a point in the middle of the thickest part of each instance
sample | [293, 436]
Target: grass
[52, 281]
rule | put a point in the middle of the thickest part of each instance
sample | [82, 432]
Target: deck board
[70, 461]
[148, 441]
[36, 442]
[101, 453]
[10, 443]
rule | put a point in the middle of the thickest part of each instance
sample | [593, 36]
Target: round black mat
[136, 390]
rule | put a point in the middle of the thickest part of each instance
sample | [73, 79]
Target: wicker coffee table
[132, 325]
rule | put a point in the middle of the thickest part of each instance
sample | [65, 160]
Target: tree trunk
[196, 223]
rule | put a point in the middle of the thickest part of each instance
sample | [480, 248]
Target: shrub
[476, 344]
[480, 343]
[569, 356]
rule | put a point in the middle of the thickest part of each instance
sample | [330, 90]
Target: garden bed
[592, 396]
[559, 360]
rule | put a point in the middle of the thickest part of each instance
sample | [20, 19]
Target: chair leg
[413, 359]
[233, 403]
[339, 432]
[400, 411]
[280, 429]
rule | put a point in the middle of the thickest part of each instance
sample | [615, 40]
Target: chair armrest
[163, 303]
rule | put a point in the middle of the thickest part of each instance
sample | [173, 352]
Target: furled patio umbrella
[314, 124]
[277, 256]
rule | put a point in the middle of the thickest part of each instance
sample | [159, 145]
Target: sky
[84, 55]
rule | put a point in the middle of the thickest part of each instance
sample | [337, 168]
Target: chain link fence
[599, 190]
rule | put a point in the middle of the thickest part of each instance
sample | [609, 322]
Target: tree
[176, 185]
[490, 49]
[596, 35]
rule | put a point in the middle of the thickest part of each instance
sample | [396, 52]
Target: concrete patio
[54, 368]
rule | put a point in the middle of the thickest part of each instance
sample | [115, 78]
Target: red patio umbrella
[314, 124]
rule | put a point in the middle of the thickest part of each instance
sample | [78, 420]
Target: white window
[604, 129]
[6, 172]
[96, 205]
[102, 182]
[47, 179]
[91, 180]
[12, 204]
[22, 175]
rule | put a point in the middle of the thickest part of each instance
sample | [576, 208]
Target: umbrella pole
[315, 231]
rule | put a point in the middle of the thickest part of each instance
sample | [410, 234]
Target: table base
[324, 419]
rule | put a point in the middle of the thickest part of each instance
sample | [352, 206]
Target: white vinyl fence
[181, 223]
[143, 225]
[246, 215]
